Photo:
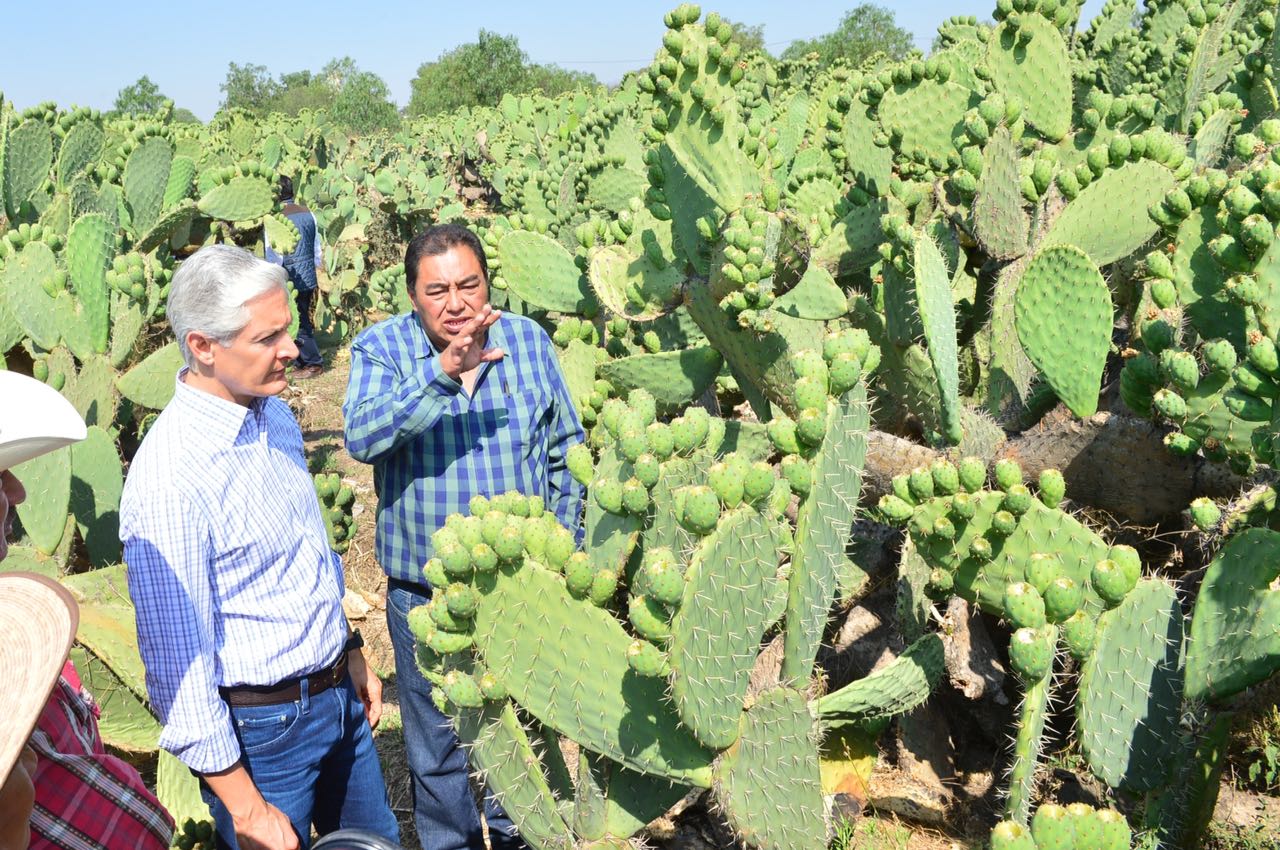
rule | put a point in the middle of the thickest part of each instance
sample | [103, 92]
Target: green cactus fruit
[483, 558]
[980, 548]
[1164, 294]
[1023, 606]
[1086, 830]
[647, 660]
[758, 483]
[559, 547]
[1052, 488]
[1157, 335]
[943, 529]
[1126, 558]
[660, 439]
[648, 470]
[1079, 633]
[1007, 473]
[492, 523]
[701, 509]
[1180, 368]
[799, 474]
[461, 600]
[420, 623]
[973, 474]
[635, 497]
[604, 584]
[491, 687]
[727, 484]
[946, 478]
[1219, 356]
[1009, 835]
[434, 573]
[963, 507]
[468, 530]
[1263, 356]
[811, 426]
[810, 392]
[1205, 513]
[1031, 654]
[1051, 828]
[462, 690]
[1062, 598]
[901, 485]
[684, 436]
[1113, 830]
[1170, 405]
[578, 574]
[439, 610]
[894, 510]
[1111, 582]
[1003, 523]
[457, 560]
[941, 583]
[1017, 500]
[580, 463]
[920, 481]
[1041, 570]
[855, 341]
[535, 505]
[510, 543]
[478, 506]
[808, 363]
[649, 618]
[644, 404]
[663, 578]
[632, 444]
[845, 371]
[782, 433]
[608, 495]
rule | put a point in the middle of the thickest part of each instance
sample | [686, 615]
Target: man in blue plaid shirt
[448, 402]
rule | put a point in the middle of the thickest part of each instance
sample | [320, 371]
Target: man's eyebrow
[468, 279]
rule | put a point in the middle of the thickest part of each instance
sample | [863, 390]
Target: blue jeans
[443, 806]
[314, 760]
[308, 351]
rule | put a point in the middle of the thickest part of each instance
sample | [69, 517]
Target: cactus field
[990, 330]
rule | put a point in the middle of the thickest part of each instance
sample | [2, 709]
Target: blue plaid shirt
[433, 447]
[232, 578]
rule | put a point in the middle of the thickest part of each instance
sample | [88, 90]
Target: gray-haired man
[260, 685]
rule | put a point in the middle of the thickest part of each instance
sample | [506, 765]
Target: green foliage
[141, 97]
[864, 31]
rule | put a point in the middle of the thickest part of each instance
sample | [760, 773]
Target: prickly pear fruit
[973, 474]
[662, 577]
[1042, 568]
[799, 474]
[1052, 488]
[1079, 633]
[920, 481]
[946, 478]
[491, 525]
[811, 426]
[808, 363]
[608, 495]
[648, 618]
[434, 573]
[1011, 836]
[810, 393]
[461, 600]
[660, 439]
[1113, 829]
[491, 687]
[1086, 830]
[559, 547]
[1111, 582]
[1051, 828]
[1017, 500]
[727, 484]
[483, 558]
[701, 509]
[457, 560]
[758, 482]
[963, 507]
[646, 659]
[604, 584]
[462, 690]
[1008, 473]
[1205, 514]
[1023, 606]
[1062, 598]
[1030, 655]
[844, 374]
[1003, 523]
[1126, 558]
[578, 574]
[893, 509]
[782, 433]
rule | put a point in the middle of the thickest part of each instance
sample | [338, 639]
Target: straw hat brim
[38, 620]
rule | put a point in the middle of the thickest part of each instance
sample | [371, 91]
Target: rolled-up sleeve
[167, 548]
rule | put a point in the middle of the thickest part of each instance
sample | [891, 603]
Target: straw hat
[34, 419]
[38, 619]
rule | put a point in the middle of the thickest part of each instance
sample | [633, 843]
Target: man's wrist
[354, 642]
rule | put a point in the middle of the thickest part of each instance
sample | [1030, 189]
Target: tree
[139, 98]
[748, 38]
[248, 87]
[336, 72]
[185, 116]
[300, 90]
[481, 72]
[863, 31]
[364, 104]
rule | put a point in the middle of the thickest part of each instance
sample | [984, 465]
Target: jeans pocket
[265, 727]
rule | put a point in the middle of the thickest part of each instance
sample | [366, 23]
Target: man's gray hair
[210, 290]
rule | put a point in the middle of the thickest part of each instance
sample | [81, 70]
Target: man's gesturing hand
[466, 352]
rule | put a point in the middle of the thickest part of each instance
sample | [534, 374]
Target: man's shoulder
[525, 333]
[391, 331]
[166, 457]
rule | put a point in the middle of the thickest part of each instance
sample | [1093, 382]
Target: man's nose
[453, 301]
[288, 351]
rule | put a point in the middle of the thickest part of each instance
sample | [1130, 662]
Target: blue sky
[75, 52]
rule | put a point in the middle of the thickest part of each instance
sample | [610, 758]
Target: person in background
[451, 401]
[303, 266]
[58, 786]
[258, 680]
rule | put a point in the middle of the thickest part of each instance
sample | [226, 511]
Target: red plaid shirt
[86, 799]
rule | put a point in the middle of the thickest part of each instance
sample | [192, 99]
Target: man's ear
[201, 347]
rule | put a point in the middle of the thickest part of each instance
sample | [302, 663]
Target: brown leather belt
[289, 690]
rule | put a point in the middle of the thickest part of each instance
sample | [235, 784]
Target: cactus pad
[1093, 223]
[239, 199]
[633, 287]
[542, 273]
[675, 378]
[1030, 63]
[999, 220]
[1063, 281]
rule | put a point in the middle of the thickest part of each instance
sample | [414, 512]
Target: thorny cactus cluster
[756, 273]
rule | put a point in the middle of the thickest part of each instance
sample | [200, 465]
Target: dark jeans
[308, 351]
[314, 760]
[443, 806]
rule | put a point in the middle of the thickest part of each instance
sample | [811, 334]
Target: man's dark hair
[436, 240]
[285, 188]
